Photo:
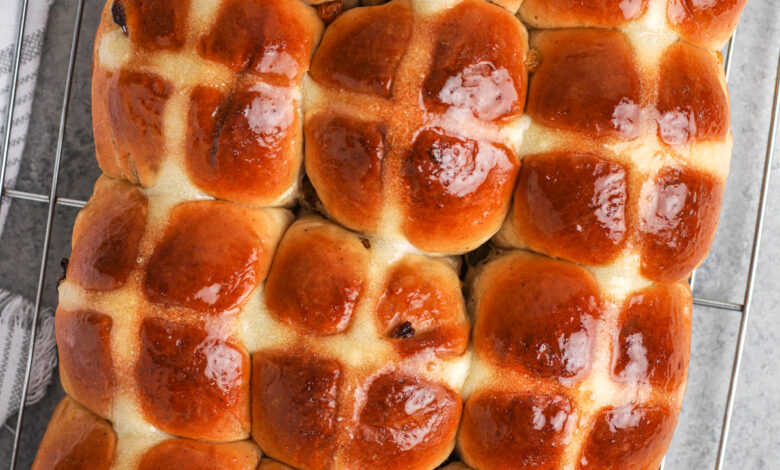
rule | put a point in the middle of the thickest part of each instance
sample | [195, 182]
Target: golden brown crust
[200, 265]
[344, 158]
[268, 464]
[505, 431]
[579, 13]
[294, 406]
[654, 341]
[85, 359]
[165, 338]
[404, 422]
[107, 235]
[585, 75]
[420, 309]
[629, 437]
[587, 223]
[692, 104]
[454, 188]
[677, 226]
[191, 383]
[194, 455]
[707, 23]
[317, 279]
[363, 49]
[540, 317]
[76, 439]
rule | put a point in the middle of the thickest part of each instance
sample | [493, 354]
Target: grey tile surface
[755, 441]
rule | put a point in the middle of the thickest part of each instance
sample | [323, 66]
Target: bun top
[407, 117]
[708, 24]
[202, 100]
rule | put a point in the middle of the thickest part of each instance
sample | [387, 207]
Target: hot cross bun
[410, 113]
[635, 126]
[220, 310]
[151, 308]
[367, 355]
[203, 97]
[572, 370]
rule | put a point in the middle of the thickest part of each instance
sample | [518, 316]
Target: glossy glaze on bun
[405, 234]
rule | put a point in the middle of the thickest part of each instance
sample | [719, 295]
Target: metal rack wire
[52, 200]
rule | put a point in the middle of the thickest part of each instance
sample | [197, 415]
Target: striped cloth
[16, 316]
[37, 14]
[15, 312]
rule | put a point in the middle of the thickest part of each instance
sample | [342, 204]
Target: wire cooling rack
[52, 200]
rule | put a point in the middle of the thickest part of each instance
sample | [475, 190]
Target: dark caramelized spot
[361, 50]
[273, 38]
[576, 13]
[110, 160]
[504, 431]
[404, 423]
[294, 405]
[240, 145]
[317, 279]
[655, 337]
[76, 439]
[404, 330]
[136, 101]
[421, 308]
[209, 259]
[587, 82]
[628, 437]
[192, 384]
[153, 24]
[456, 191]
[329, 11]
[478, 62]
[86, 365]
[572, 206]
[705, 21]
[539, 315]
[194, 455]
[692, 103]
[344, 162]
[105, 250]
[678, 222]
[118, 15]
